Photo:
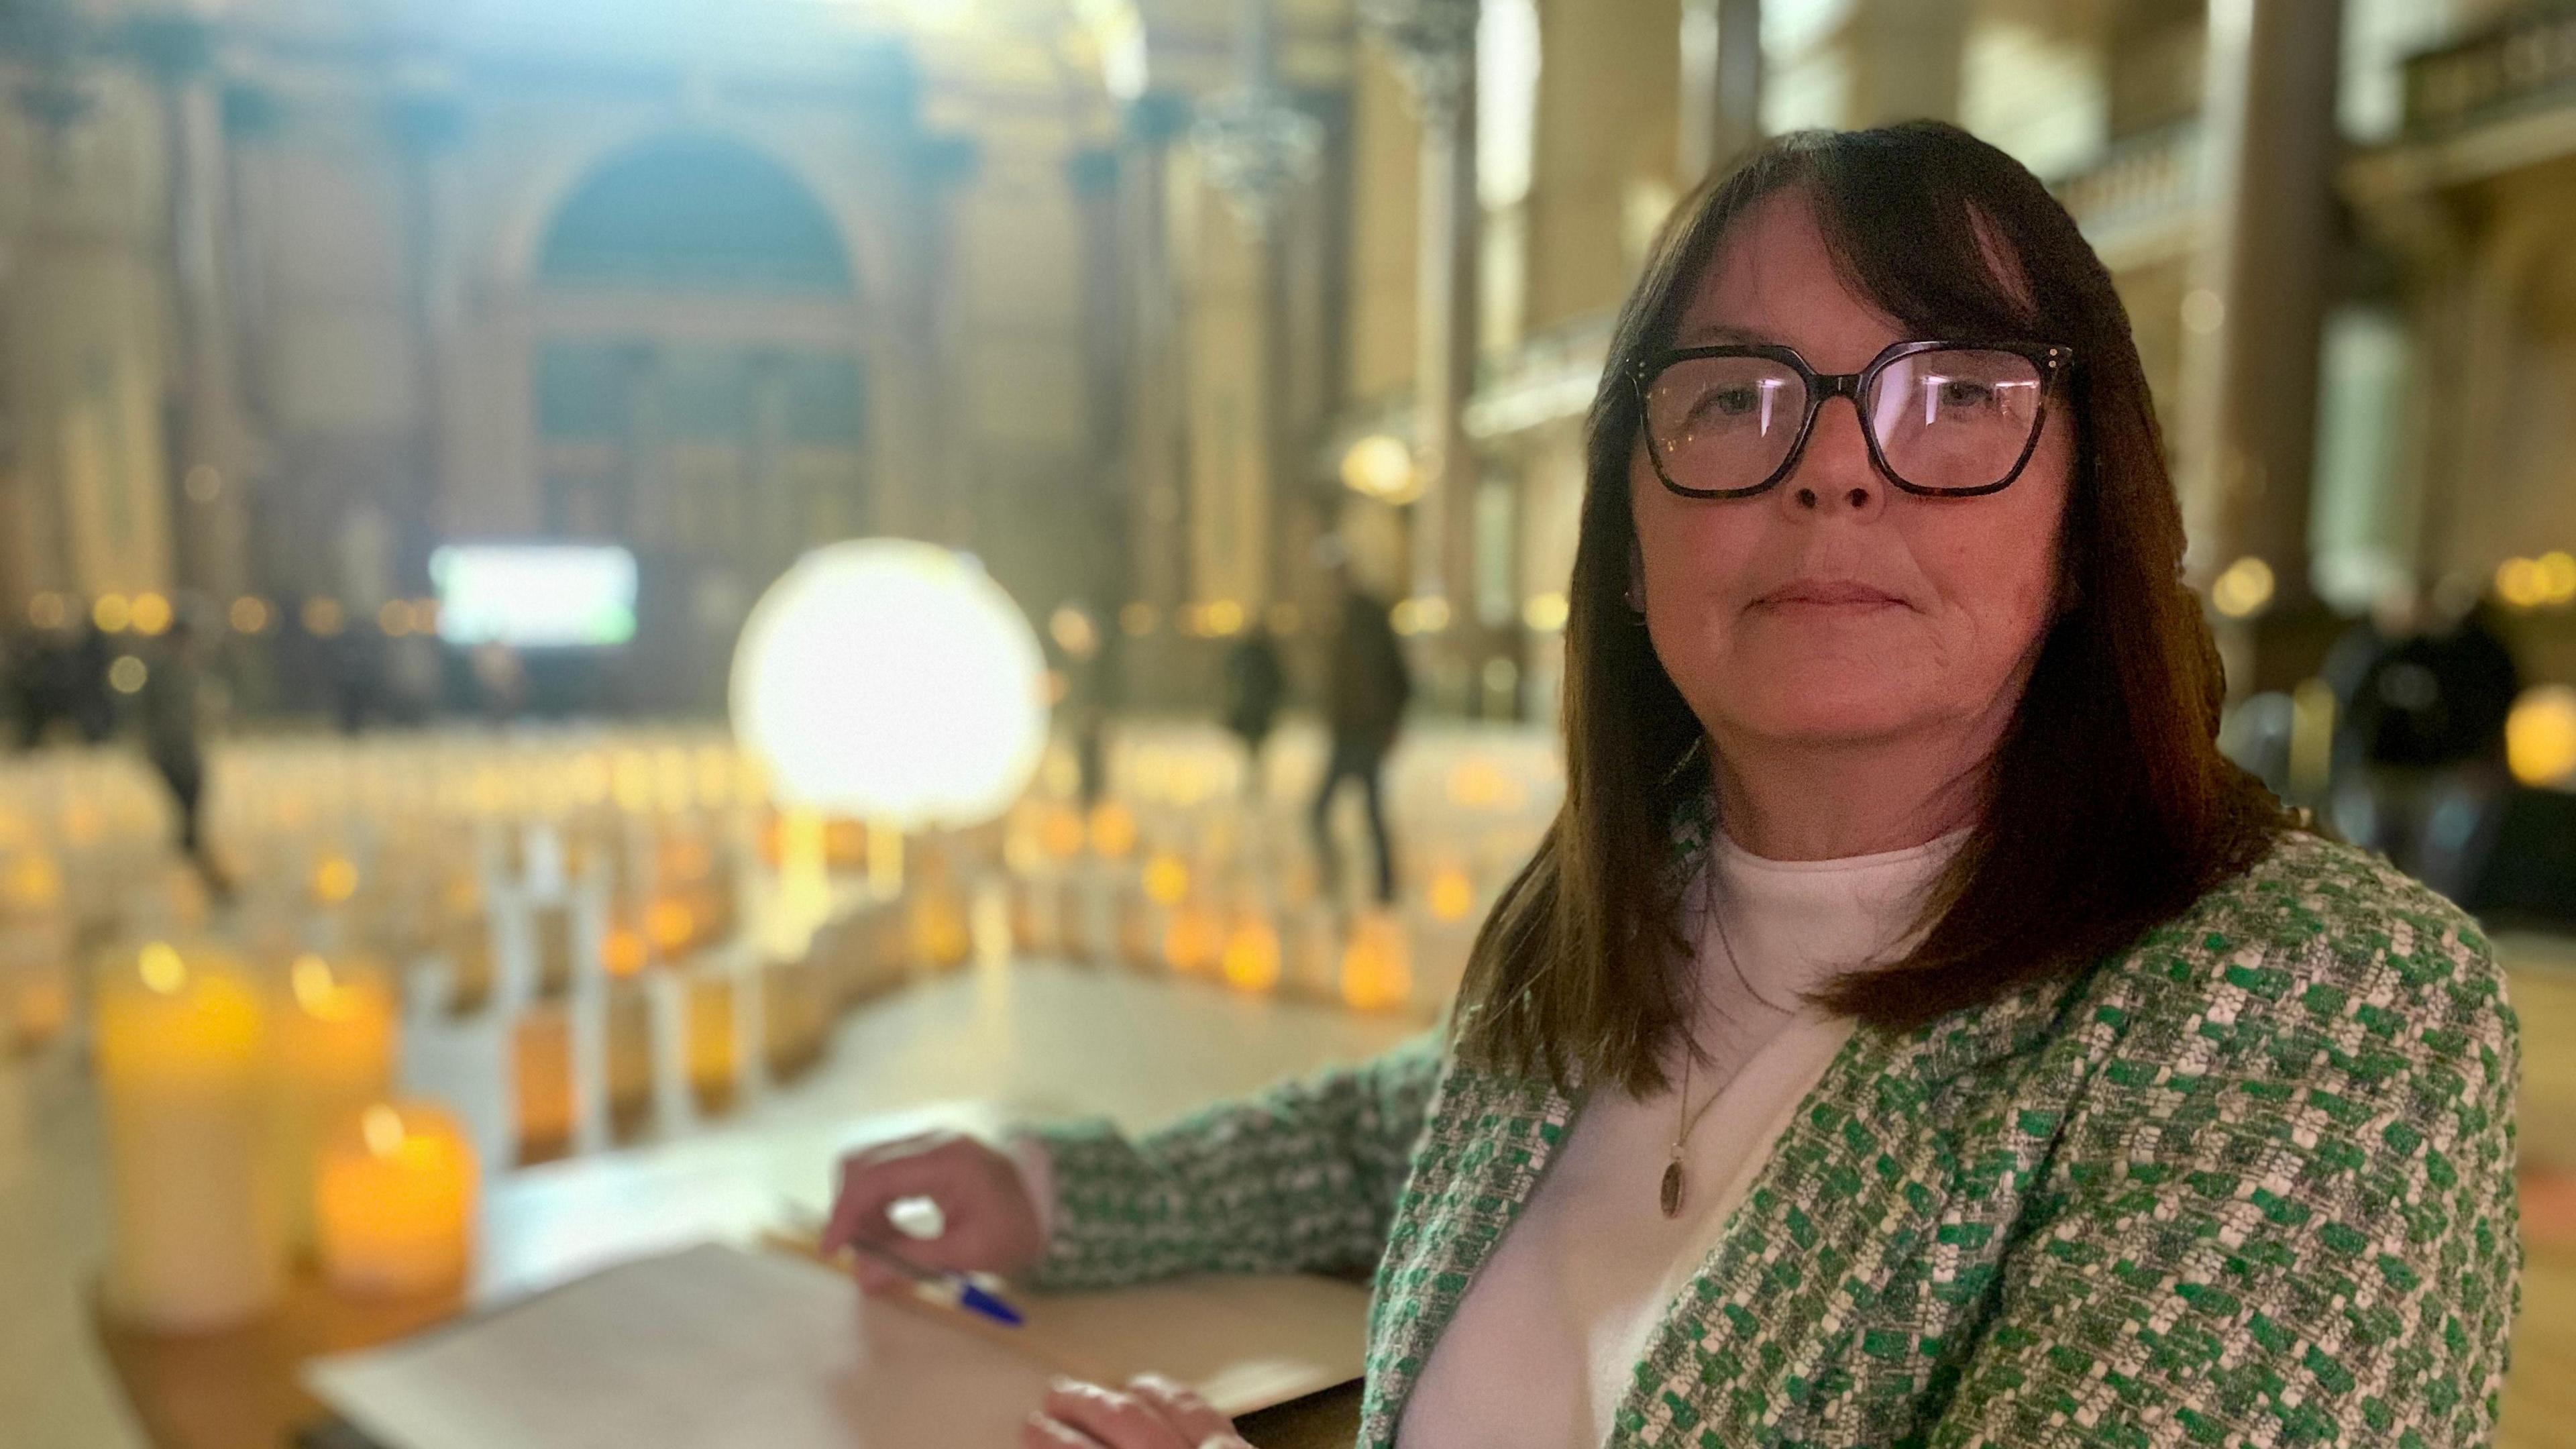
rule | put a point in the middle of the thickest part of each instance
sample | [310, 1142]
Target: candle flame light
[335, 880]
[316, 991]
[1166, 879]
[1113, 830]
[1251, 960]
[1452, 895]
[1062, 832]
[1192, 941]
[1375, 974]
[672, 925]
[621, 953]
[383, 1129]
[161, 969]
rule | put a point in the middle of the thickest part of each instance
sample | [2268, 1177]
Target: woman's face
[1836, 608]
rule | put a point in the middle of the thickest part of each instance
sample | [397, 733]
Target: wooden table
[238, 1390]
[1138, 1051]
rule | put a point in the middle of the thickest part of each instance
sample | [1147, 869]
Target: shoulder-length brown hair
[2107, 807]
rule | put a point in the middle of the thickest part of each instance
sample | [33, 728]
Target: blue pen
[969, 1297]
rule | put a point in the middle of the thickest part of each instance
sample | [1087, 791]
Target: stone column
[1154, 417]
[936, 503]
[2259, 283]
[426, 117]
[1258, 149]
[1434, 42]
[212, 451]
[1721, 46]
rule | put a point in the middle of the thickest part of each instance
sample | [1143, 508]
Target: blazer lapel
[1489, 1139]
[1860, 1184]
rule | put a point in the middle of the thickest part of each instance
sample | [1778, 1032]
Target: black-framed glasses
[1943, 419]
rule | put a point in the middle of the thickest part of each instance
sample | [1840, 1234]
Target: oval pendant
[1672, 1191]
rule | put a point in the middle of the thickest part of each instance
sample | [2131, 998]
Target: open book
[714, 1346]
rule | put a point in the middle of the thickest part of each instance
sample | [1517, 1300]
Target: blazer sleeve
[1300, 1178]
[2293, 1222]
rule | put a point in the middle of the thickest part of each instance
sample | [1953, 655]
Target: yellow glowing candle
[181, 1068]
[333, 1054]
[1113, 830]
[393, 1196]
[1192, 939]
[335, 880]
[713, 1054]
[35, 984]
[942, 934]
[552, 924]
[792, 1016]
[469, 965]
[622, 952]
[541, 1063]
[1451, 895]
[1167, 879]
[1375, 972]
[1251, 960]
[630, 1058]
[672, 927]
[1061, 832]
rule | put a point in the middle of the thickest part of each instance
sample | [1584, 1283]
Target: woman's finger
[878, 1178]
[1045, 1431]
[1200, 1425]
[1116, 1420]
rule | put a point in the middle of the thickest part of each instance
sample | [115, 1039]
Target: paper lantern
[893, 681]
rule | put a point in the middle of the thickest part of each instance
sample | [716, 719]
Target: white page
[709, 1348]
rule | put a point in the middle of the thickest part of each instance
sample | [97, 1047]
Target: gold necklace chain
[1669, 1192]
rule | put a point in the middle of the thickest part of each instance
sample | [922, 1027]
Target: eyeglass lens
[1947, 418]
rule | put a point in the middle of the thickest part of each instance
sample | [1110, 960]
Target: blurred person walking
[1365, 692]
[171, 710]
[2421, 701]
[1256, 685]
[83, 684]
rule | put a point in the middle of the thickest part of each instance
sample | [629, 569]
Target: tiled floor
[1045, 1041]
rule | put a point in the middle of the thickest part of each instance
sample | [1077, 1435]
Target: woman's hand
[987, 1223]
[1152, 1412]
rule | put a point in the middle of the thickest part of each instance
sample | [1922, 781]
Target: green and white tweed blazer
[2249, 1182]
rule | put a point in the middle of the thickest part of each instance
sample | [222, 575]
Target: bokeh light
[2540, 736]
[2243, 589]
[892, 680]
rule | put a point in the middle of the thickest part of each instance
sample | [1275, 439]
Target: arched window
[694, 213]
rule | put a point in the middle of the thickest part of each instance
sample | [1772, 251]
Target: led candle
[1376, 975]
[181, 1068]
[629, 1029]
[393, 1197]
[541, 1072]
[331, 1054]
[712, 1054]
[551, 924]
[1251, 958]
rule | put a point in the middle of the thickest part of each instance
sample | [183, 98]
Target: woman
[1912, 1030]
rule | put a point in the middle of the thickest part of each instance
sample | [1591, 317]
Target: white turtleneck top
[1549, 1335]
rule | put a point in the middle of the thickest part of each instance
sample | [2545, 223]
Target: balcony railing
[2141, 180]
[1553, 374]
[2524, 62]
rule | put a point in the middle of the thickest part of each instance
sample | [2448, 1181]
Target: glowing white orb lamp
[894, 682]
